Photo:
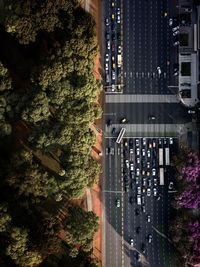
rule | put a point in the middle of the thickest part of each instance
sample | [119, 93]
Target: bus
[120, 136]
[160, 156]
[161, 172]
[167, 159]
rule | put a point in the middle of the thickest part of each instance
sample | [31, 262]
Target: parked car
[148, 218]
[153, 172]
[113, 130]
[148, 192]
[138, 229]
[131, 167]
[170, 22]
[171, 141]
[151, 118]
[131, 242]
[148, 153]
[117, 202]
[137, 171]
[155, 192]
[137, 142]
[175, 28]
[143, 152]
[127, 163]
[123, 120]
[137, 180]
[149, 238]
[171, 185]
[131, 200]
[138, 151]
[155, 181]
[144, 141]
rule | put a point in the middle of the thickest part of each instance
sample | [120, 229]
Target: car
[165, 14]
[148, 165]
[149, 182]
[151, 118]
[109, 122]
[143, 208]
[153, 172]
[158, 198]
[132, 185]
[155, 192]
[143, 152]
[137, 212]
[137, 180]
[148, 218]
[155, 181]
[138, 160]
[131, 242]
[171, 185]
[138, 229]
[127, 163]
[132, 175]
[149, 238]
[108, 45]
[138, 257]
[143, 163]
[119, 49]
[113, 16]
[125, 179]
[148, 153]
[154, 143]
[131, 167]
[139, 190]
[137, 142]
[176, 33]
[138, 151]
[113, 4]
[125, 143]
[176, 73]
[144, 141]
[160, 142]
[148, 173]
[176, 43]
[143, 190]
[191, 111]
[131, 142]
[113, 75]
[107, 57]
[148, 192]
[143, 248]
[131, 200]
[143, 199]
[111, 150]
[131, 151]
[137, 171]
[138, 199]
[118, 19]
[126, 187]
[170, 22]
[143, 172]
[117, 202]
[144, 181]
[113, 130]
[118, 10]
[123, 120]
[106, 66]
[175, 28]
[165, 141]
[171, 141]
[154, 163]
[159, 70]
[107, 22]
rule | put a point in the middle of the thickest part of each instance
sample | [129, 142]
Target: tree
[5, 218]
[80, 226]
[5, 79]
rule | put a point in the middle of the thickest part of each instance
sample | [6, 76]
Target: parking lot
[139, 201]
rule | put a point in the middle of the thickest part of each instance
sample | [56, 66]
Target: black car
[131, 143]
[125, 179]
[137, 212]
[138, 229]
[132, 185]
[143, 248]
[109, 122]
[131, 200]
[132, 174]
[113, 130]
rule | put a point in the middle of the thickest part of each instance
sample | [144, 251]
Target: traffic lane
[168, 113]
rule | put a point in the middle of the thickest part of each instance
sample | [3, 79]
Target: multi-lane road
[139, 31]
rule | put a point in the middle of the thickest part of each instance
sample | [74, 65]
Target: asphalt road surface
[145, 40]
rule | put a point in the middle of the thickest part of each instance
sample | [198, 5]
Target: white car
[106, 66]
[131, 167]
[107, 22]
[138, 160]
[190, 111]
[119, 49]
[144, 181]
[137, 151]
[137, 142]
[154, 143]
[175, 28]
[131, 242]
[131, 151]
[155, 192]
[117, 203]
[176, 43]
[159, 70]
[148, 165]
[137, 171]
[143, 152]
[144, 141]
[118, 19]
[153, 172]
[170, 22]
[127, 163]
[160, 141]
[139, 190]
[155, 182]
[149, 182]
[171, 141]
[148, 192]
[137, 180]
[107, 57]
[148, 218]
[176, 33]
[108, 45]
[113, 75]
[148, 153]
